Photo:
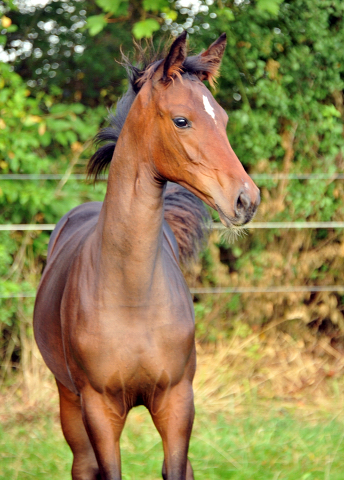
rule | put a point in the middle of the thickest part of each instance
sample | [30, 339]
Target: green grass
[269, 443]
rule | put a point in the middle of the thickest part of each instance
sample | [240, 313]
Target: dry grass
[269, 366]
[32, 388]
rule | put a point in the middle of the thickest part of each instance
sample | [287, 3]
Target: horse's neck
[131, 228]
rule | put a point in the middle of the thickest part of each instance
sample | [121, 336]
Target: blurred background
[269, 307]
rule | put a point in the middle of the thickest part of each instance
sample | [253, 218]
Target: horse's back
[76, 220]
[65, 242]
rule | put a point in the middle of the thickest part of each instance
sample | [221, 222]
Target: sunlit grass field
[262, 443]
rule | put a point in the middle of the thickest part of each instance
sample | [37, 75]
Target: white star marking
[208, 108]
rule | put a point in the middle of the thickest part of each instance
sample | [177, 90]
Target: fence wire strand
[232, 290]
[214, 226]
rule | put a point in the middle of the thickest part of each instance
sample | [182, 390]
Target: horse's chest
[135, 351]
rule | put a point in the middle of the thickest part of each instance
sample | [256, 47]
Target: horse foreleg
[85, 466]
[189, 471]
[174, 422]
[104, 422]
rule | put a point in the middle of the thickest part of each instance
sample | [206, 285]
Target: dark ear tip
[223, 36]
[183, 35]
[179, 40]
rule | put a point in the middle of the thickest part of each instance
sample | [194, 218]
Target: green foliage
[270, 6]
[154, 5]
[109, 5]
[56, 37]
[143, 28]
[96, 23]
[146, 28]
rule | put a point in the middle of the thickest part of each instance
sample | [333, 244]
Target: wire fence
[41, 176]
[231, 290]
[214, 226]
[27, 226]
[219, 226]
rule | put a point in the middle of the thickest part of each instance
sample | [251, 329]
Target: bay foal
[113, 316]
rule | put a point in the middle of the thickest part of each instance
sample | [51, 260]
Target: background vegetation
[281, 83]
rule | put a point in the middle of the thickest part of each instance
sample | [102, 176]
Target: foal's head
[187, 127]
[182, 130]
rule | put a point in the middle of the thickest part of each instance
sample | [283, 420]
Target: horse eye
[181, 122]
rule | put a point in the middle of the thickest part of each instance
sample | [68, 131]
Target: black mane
[149, 61]
[101, 159]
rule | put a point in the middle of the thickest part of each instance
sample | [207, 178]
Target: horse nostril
[243, 203]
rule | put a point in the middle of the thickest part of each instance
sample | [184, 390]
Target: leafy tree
[47, 47]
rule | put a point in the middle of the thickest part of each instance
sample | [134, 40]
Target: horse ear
[212, 59]
[175, 57]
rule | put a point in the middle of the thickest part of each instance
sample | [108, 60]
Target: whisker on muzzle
[231, 234]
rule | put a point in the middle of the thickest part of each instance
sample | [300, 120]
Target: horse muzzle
[244, 210]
